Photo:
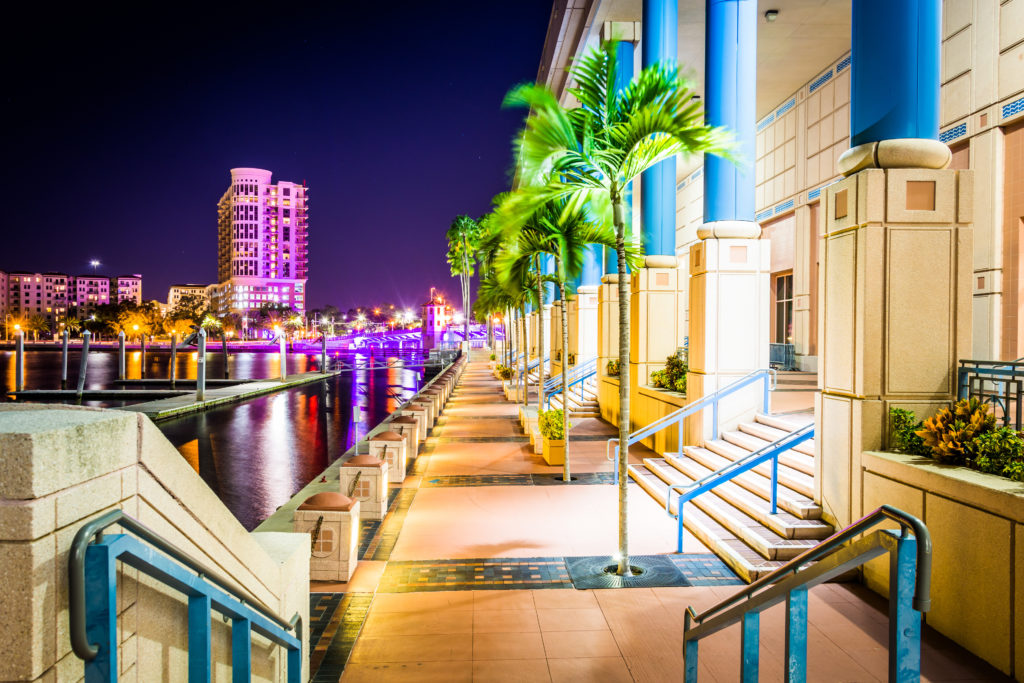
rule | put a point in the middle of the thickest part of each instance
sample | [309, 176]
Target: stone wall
[976, 523]
[61, 466]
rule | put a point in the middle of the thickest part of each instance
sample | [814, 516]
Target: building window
[784, 309]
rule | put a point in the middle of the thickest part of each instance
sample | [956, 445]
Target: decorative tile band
[763, 215]
[814, 194]
[821, 80]
[844, 63]
[1015, 107]
[786, 107]
[954, 133]
[767, 121]
[784, 206]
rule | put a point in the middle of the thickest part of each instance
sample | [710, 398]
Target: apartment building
[262, 251]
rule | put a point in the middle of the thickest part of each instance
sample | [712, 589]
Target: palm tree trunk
[540, 336]
[565, 367]
[620, 252]
[526, 356]
[465, 287]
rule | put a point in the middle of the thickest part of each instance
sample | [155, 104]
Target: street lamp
[95, 263]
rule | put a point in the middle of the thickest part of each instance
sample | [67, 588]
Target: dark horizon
[122, 127]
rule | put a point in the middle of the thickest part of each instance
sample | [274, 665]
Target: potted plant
[494, 361]
[612, 369]
[552, 436]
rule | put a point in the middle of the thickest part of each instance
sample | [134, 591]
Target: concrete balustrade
[419, 413]
[365, 479]
[61, 466]
[332, 521]
[390, 447]
[406, 426]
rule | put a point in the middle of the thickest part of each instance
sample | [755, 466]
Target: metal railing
[910, 555]
[577, 376]
[997, 383]
[676, 418]
[92, 601]
[772, 451]
[782, 356]
[574, 371]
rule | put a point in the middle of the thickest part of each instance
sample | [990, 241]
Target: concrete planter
[976, 522]
[554, 451]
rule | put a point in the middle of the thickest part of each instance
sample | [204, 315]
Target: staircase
[734, 519]
[580, 406]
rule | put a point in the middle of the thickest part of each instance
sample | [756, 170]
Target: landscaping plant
[673, 376]
[505, 372]
[950, 431]
[613, 368]
[903, 427]
[552, 424]
[999, 452]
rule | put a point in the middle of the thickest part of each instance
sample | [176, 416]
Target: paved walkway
[471, 577]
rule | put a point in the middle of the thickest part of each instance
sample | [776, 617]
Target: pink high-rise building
[261, 243]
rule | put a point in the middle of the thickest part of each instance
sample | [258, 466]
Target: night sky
[121, 125]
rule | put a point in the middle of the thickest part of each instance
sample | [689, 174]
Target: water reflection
[257, 454]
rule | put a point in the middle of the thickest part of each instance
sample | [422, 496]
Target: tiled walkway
[468, 578]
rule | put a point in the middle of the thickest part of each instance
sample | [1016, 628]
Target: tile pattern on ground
[482, 439]
[457, 480]
[383, 541]
[335, 634]
[369, 528]
[476, 574]
[705, 569]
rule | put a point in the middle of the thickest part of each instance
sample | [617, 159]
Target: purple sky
[120, 128]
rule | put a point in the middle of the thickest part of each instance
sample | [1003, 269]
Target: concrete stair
[734, 519]
[585, 407]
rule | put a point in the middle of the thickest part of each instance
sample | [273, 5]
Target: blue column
[894, 89]
[591, 273]
[730, 54]
[658, 185]
[623, 75]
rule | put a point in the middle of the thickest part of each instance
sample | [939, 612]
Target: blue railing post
[689, 651]
[295, 665]
[775, 481]
[751, 647]
[200, 657]
[766, 403]
[679, 536]
[101, 611]
[615, 467]
[796, 636]
[904, 620]
[714, 420]
[680, 425]
[241, 651]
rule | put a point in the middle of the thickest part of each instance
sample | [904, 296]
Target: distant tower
[262, 252]
[435, 315]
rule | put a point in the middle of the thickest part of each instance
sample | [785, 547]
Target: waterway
[257, 454]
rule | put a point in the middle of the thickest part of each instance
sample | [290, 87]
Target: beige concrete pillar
[729, 327]
[608, 346]
[655, 321]
[557, 353]
[584, 311]
[531, 319]
[804, 281]
[896, 313]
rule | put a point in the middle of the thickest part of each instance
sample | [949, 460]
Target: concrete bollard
[86, 336]
[64, 360]
[19, 361]
[201, 367]
[120, 355]
[172, 371]
[142, 366]
[323, 354]
[224, 352]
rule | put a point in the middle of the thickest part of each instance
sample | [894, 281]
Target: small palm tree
[463, 239]
[592, 153]
[36, 324]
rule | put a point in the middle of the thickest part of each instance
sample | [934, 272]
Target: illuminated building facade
[261, 243]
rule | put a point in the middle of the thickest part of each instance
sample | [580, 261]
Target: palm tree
[36, 324]
[592, 153]
[463, 239]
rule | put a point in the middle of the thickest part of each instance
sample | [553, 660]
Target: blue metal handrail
[92, 602]
[581, 374]
[772, 451]
[574, 372]
[910, 557]
[677, 417]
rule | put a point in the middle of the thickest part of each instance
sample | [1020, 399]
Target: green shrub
[494, 357]
[613, 368]
[673, 376]
[550, 424]
[949, 432]
[999, 452]
[903, 427]
[505, 372]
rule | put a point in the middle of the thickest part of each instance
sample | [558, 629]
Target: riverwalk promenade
[475, 575]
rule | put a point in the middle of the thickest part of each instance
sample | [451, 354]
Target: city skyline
[158, 129]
